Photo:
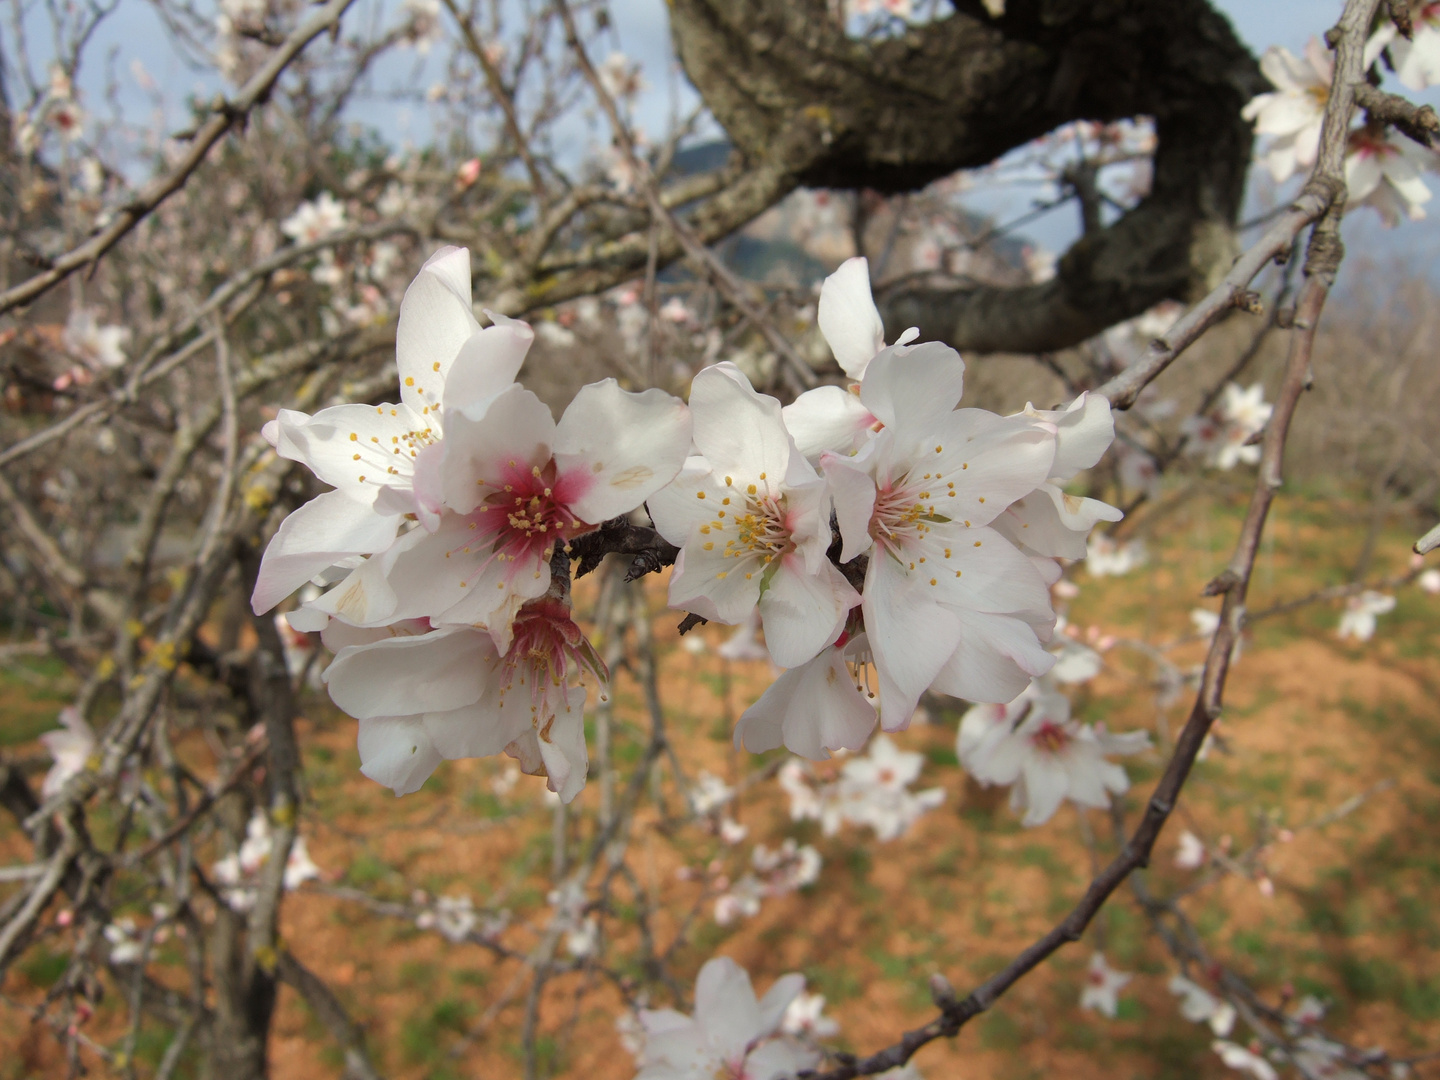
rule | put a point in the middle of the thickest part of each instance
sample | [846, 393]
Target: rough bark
[894, 115]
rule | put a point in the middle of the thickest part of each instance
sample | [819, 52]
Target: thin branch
[224, 116]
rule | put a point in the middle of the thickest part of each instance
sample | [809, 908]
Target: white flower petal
[848, 317]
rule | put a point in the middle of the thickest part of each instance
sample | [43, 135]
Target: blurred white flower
[1105, 558]
[874, 790]
[312, 221]
[1429, 581]
[621, 76]
[1242, 1060]
[1189, 852]
[1384, 171]
[70, 746]
[125, 946]
[96, 346]
[805, 1017]
[1417, 61]
[730, 1034]
[453, 916]
[1358, 620]
[709, 793]
[1291, 116]
[1200, 1007]
[1102, 986]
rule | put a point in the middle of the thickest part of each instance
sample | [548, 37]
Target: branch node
[1222, 583]
[1247, 300]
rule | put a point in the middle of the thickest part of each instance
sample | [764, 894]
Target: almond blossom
[315, 220]
[949, 602]
[368, 453]
[1199, 1006]
[730, 1034]
[1102, 986]
[70, 746]
[805, 1017]
[448, 694]
[237, 873]
[1034, 746]
[751, 518]
[1417, 61]
[1358, 620]
[874, 790]
[1291, 116]
[832, 417]
[1189, 852]
[505, 487]
[1223, 436]
[453, 916]
[1383, 170]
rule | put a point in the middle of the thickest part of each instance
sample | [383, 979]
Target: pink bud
[65, 918]
[468, 173]
[1285, 836]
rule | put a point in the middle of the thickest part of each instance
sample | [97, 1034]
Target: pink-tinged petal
[740, 432]
[486, 366]
[481, 456]
[827, 418]
[911, 388]
[676, 510]
[807, 515]
[396, 751]
[910, 635]
[563, 747]
[853, 492]
[810, 709]
[328, 528]
[994, 659]
[804, 612]
[848, 317]
[409, 675]
[360, 449]
[615, 449]
[436, 319]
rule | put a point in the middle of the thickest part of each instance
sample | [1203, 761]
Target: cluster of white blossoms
[237, 874]
[873, 790]
[1383, 169]
[1033, 746]
[454, 639]
[1223, 436]
[774, 873]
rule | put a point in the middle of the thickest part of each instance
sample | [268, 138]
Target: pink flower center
[547, 652]
[528, 511]
[1050, 737]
